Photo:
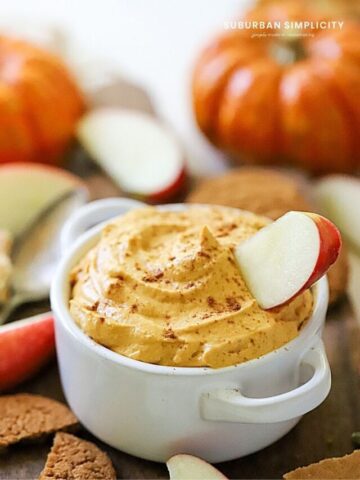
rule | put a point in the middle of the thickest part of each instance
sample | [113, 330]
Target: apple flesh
[5, 265]
[25, 346]
[135, 150]
[338, 197]
[287, 256]
[353, 287]
[27, 188]
[188, 467]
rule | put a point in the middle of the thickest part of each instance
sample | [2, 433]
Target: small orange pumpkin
[272, 100]
[39, 104]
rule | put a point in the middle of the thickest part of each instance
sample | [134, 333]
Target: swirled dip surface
[163, 287]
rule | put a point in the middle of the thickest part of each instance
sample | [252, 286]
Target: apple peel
[25, 346]
[287, 256]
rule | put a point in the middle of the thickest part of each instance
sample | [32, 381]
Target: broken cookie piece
[76, 459]
[26, 417]
[347, 467]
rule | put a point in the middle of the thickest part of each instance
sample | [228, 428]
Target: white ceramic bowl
[153, 411]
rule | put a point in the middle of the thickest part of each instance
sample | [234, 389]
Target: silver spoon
[37, 251]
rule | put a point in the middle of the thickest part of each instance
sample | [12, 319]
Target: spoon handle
[9, 307]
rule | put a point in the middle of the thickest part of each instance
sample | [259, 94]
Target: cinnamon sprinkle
[169, 333]
[153, 277]
[211, 301]
[233, 304]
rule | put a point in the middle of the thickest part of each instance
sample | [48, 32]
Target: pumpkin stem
[288, 51]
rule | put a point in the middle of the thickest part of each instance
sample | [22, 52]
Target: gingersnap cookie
[271, 193]
[260, 190]
[76, 459]
[26, 417]
[347, 467]
[338, 275]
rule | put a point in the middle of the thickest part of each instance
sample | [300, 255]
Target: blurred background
[198, 113]
[152, 43]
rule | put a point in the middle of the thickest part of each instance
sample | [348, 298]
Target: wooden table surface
[325, 432]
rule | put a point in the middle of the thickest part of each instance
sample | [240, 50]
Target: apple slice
[188, 467]
[338, 197]
[136, 150]
[25, 346]
[26, 188]
[287, 256]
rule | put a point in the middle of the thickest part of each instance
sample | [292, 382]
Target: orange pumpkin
[273, 100]
[39, 104]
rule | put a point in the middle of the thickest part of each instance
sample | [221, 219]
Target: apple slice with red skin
[27, 188]
[25, 346]
[188, 467]
[287, 256]
[135, 150]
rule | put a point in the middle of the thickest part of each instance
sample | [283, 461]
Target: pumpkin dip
[163, 287]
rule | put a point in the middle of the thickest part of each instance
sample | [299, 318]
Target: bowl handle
[92, 214]
[229, 405]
